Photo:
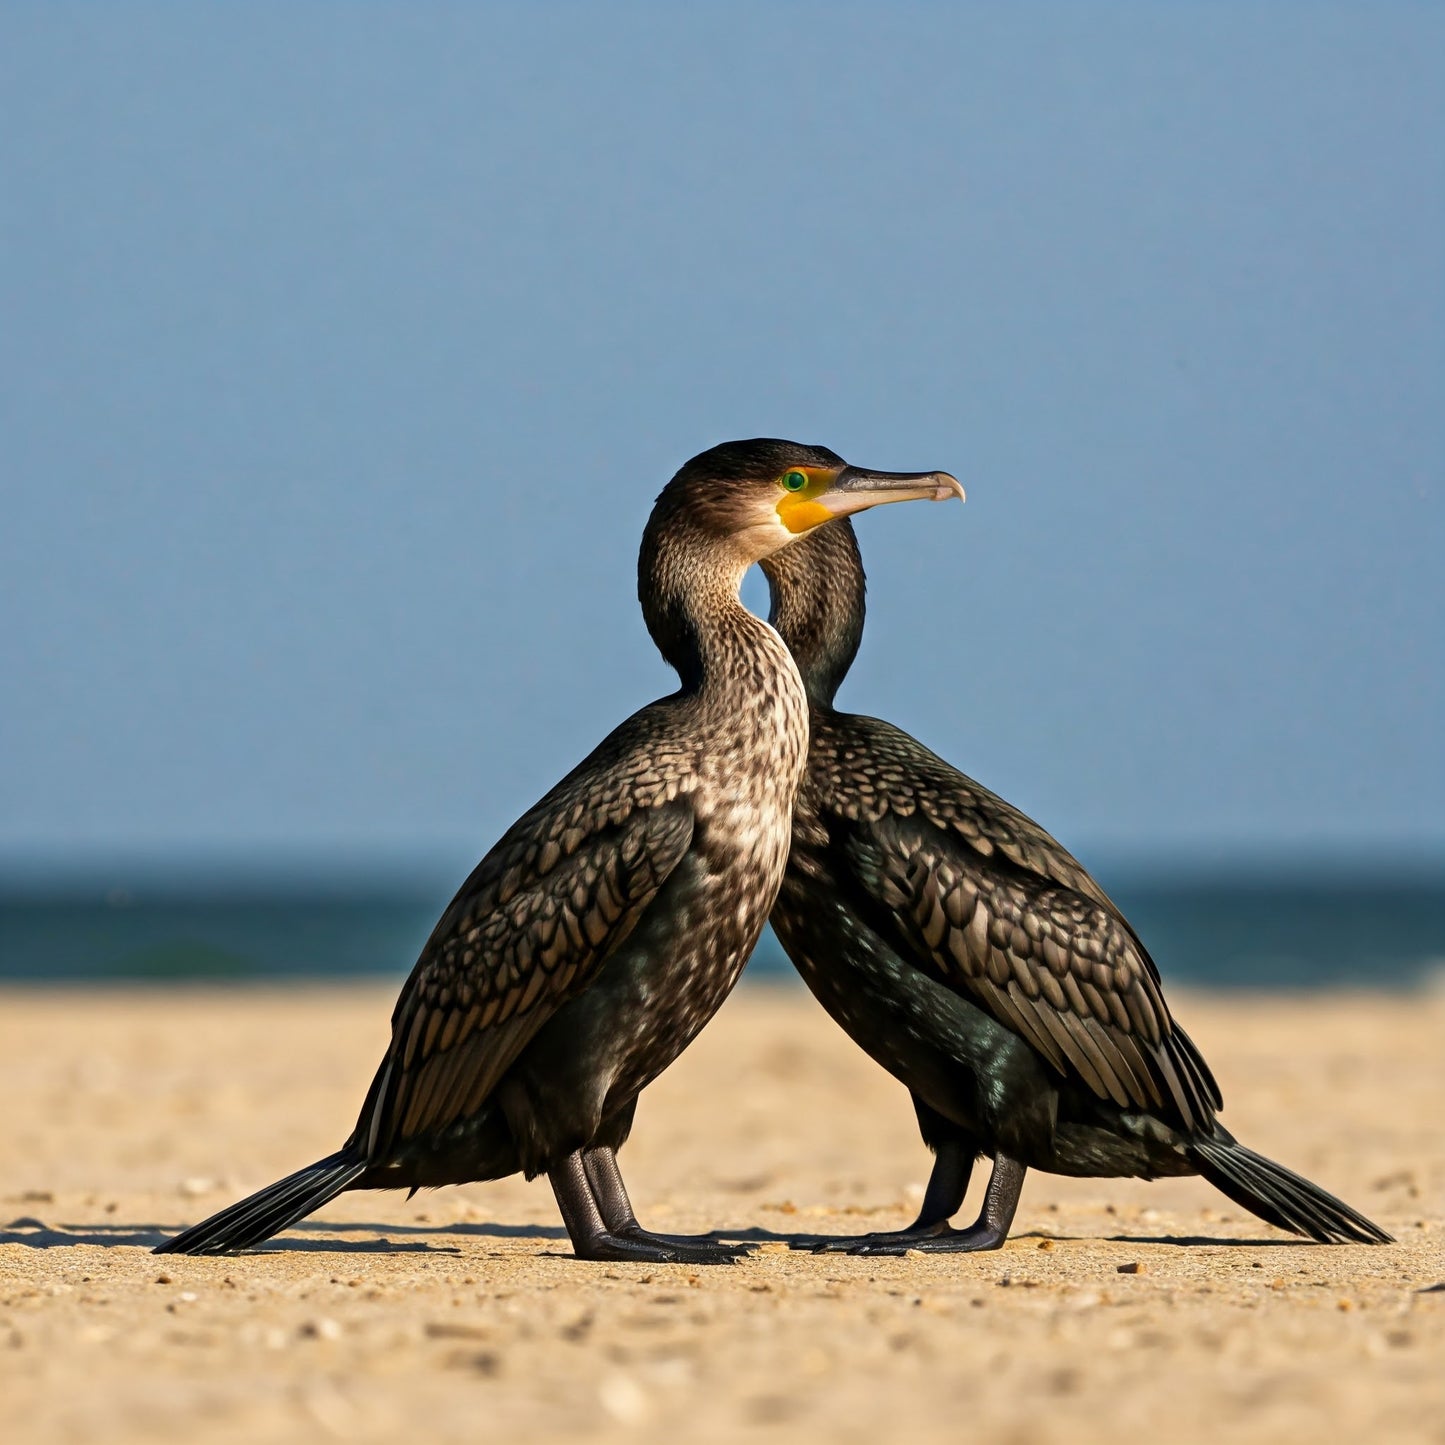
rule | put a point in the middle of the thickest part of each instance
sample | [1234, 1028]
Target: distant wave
[1204, 931]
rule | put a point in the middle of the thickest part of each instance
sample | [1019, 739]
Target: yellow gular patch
[799, 511]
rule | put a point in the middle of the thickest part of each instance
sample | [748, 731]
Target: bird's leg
[988, 1231]
[610, 1193]
[947, 1184]
[591, 1239]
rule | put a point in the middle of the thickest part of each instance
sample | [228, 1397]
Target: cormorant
[973, 958]
[609, 923]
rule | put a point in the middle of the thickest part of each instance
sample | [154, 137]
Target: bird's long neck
[688, 583]
[818, 602]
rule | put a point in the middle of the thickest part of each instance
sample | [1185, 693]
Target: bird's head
[757, 496]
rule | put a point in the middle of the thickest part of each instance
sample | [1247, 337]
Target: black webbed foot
[931, 1232]
[642, 1248]
[976, 1238]
[900, 1239]
[704, 1243]
[604, 1179]
[947, 1185]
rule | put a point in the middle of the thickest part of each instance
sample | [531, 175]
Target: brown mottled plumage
[610, 921]
[974, 958]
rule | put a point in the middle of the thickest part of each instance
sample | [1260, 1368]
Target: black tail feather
[1204, 1082]
[270, 1210]
[1280, 1196]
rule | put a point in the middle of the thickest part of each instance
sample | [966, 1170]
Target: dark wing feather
[863, 769]
[526, 932]
[1003, 912]
[1060, 969]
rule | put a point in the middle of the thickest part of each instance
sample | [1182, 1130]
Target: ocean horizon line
[318, 869]
[1275, 922]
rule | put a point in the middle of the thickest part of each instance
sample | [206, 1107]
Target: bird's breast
[751, 769]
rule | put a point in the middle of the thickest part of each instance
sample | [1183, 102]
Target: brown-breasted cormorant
[968, 953]
[611, 920]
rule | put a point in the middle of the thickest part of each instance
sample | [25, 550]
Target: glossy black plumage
[975, 959]
[610, 921]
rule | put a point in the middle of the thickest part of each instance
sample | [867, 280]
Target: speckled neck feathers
[818, 589]
[687, 582]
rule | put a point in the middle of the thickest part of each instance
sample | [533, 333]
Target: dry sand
[1117, 1308]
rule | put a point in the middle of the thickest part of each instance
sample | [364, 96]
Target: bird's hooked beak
[855, 490]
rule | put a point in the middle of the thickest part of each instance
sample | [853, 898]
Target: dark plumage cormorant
[960, 946]
[611, 920]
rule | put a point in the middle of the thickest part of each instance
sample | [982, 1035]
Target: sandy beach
[1118, 1307]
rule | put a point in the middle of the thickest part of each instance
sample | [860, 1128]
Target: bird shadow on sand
[484, 1229]
[1189, 1241]
[757, 1234]
[286, 1245]
[147, 1236]
[44, 1236]
[36, 1234]
[1183, 1241]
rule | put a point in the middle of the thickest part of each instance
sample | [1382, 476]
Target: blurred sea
[1328, 927]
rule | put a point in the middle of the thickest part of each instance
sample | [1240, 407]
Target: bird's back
[973, 895]
[560, 890]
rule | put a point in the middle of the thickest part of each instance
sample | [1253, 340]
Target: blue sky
[344, 348]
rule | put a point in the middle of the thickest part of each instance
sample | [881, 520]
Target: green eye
[794, 481]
